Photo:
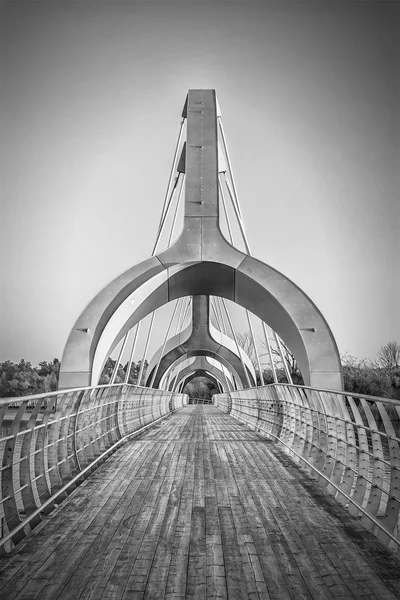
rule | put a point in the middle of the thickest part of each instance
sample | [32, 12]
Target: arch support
[202, 262]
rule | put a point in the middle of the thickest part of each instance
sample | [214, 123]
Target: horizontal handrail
[8, 399]
[367, 397]
[49, 446]
[348, 498]
[351, 442]
[64, 488]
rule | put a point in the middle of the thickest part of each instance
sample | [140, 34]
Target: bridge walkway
[199, 506]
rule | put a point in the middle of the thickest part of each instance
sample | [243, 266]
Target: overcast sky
[91, 96]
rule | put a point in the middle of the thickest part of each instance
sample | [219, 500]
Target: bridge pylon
[201, 368]
[201, 262]
[198, 340]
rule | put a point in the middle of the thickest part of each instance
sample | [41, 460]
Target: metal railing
[50, 442]
[200, 401]
[348, 442]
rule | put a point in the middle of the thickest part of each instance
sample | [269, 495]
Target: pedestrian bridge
[125, 492]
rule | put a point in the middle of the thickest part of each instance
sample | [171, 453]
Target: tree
[46, 368]
[245, 341]
[19, 379]
[51, 382]
[362, 377]
[108, 370]
[388, 356]
[199, 387]
[291, 363]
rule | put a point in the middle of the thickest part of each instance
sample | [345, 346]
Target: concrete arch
[200, 373]
[201, 261]
[201, 335]
[297, 322]
[204, 354]
[202, 365]
[255, 286]
[195, 375]
[218, 337]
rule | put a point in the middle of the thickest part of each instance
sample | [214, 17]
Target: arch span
[189, 378]
[204, 354]
[201, 261]
[202, 365]
[201, 335]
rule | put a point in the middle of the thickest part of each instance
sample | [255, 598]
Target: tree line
[23, 379]
[379, 377]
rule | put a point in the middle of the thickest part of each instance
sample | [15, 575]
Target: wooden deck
[199, 507]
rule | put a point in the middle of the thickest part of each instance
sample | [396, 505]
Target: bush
[365, 377]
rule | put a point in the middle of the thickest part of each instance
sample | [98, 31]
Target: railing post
[390, 519]
[121, 393]
[63, 439]
[64, 444]
[73, 430]
[10, 508]
[41, 476]
[27, 471]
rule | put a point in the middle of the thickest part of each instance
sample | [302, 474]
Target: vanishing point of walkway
[199, 507]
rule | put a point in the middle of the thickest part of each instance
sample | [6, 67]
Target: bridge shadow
[199, 506]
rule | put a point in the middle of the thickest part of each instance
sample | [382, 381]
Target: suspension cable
[247, 312]
[175, 378]
[225, 211]
[164, 213]
[163, 347]
[185, 313]
[213, 305]
[179, 323]
[236, 206]
[255, 347]
[162, 223]
[271, 360]
[219, 306]
[223, 369]
[238, 216]
[161, 227]
[146, 346]
[115, 370]
[173, 168]
[217, 321]
[236, 342]
[176, 211]
[180, 304]
[278, 343]
[222, 328]
[212, 302]
[128, 371]
[228, 160]
[164, 218]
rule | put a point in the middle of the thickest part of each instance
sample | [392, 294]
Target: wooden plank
[199, 507]
[52, 576]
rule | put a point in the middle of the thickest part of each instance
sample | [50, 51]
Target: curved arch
[203, 353]
[211, 266]
[294, 318]
[201, 364]
[182, 338]
[185, 380]
[200, 373]
[201, 335]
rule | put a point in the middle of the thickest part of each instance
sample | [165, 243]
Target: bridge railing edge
[50, 442]
[349, 442]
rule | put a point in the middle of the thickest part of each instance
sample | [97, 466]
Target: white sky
[91, 96]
